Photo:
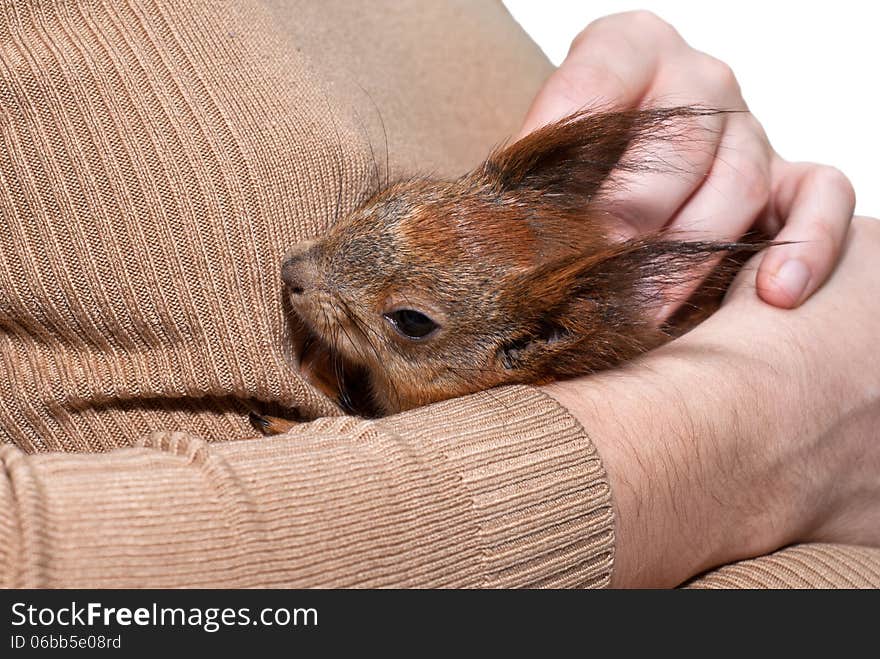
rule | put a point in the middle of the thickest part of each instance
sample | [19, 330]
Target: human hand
[824, 435]
[728, 180]
[753, 431]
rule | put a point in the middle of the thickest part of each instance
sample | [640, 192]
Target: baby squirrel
[432, 289]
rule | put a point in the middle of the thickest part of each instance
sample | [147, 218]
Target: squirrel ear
[640, 274]
[635, 278]
[570, 159]
[593, 311]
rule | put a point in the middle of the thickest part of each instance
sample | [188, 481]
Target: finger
[736, 190]
[816, 204]
[680, 159]
[611, 64]
[663, 170]
[666, 167]
[734, 194]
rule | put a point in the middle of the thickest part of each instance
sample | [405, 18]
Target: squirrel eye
[411, 324]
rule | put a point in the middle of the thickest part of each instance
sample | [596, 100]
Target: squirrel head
[510, 274]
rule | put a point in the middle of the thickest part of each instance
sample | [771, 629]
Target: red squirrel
[432, 289]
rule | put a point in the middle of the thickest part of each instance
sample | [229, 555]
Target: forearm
[687, 436]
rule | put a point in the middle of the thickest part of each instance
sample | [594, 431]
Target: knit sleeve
[499, 489]
[800, 566]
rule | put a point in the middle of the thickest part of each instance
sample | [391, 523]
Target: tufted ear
[569, 160]
[593, 311]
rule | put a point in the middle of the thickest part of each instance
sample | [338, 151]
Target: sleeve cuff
[800, 566]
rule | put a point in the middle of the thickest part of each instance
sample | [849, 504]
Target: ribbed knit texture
[801, 566]
[153, 170]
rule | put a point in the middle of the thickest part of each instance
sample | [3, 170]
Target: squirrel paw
[270, 425]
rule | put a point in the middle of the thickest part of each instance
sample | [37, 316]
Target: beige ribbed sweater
[156, 160]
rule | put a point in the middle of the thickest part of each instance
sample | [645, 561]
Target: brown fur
[514, 261]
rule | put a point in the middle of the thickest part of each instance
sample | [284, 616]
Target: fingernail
[792, 277]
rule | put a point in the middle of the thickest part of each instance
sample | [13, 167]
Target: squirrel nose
[298, 270]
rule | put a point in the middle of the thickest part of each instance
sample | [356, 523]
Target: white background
[810, 71]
